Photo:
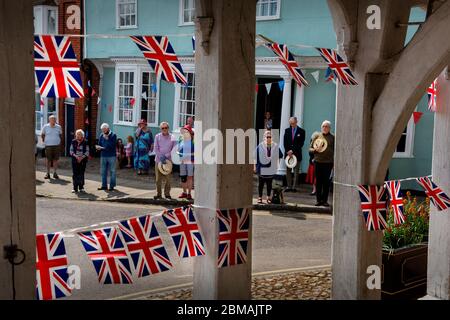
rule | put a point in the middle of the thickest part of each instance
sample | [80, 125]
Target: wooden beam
[17, 138]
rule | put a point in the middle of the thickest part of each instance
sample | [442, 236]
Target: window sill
[186, 24]
[125, 124]
[403, 156]
[126, 28]
[268, 18]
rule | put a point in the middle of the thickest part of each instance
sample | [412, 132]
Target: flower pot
[404, 273]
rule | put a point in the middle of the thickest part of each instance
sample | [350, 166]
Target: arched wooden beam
[419, 64]
[345, 25]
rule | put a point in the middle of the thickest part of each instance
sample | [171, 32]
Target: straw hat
[166, 168]
[291, 161]
[320, 144]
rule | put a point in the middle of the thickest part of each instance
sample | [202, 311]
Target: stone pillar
[285, 115]
[225, 84]
[438, 280]
[17, 176]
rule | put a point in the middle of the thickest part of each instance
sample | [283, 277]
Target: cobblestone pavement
[305, 285]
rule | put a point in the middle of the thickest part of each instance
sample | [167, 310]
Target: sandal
[269, 201]
[260, 201]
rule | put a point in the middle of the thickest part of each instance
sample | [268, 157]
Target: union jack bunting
[432, 96]
[162, 58]
[287, 59]
[233, 236]
[56, 67]
[183, 228]
[396, 201]
[145, 246]
[51, 267]
[374, 206]
[439, 199]
[338, 66]
[329, 75]
[108, 254]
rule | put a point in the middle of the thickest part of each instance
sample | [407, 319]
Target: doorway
[69, 107]
[269, 99]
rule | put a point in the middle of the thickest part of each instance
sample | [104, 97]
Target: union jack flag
[374, 206]
[287, 59]
[56, 67]
[338, 66]
[183, 228]
[162, 58]
[440, 200]
[432, 96]
[329, 75]
[233, 236]
[145, 246]
[107, 252]
[396, 201]
[51, 267]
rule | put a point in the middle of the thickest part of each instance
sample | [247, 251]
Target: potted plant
[405, 248]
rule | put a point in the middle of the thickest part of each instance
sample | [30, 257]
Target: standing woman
[323, 149]
[268, 155]
[79, 152]
[143, 146]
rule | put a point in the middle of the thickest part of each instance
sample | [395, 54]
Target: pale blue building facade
[125, 75]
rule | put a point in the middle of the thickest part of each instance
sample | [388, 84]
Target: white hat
[165, 168]
[291, 161]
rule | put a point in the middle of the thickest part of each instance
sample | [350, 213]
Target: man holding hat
[294, 139]
[164, 144]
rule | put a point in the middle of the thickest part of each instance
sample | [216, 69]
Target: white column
[438, 280]
[285, 115]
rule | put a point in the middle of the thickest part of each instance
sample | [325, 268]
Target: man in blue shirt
[107, 147]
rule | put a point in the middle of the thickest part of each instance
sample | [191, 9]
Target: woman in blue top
[142, 148]
[186, 153]
[267, 157]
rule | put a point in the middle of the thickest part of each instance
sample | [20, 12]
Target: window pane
[401, 147]
[273, 9]
[51, 21]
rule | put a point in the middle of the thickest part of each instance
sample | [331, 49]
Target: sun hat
[291, 161]
[189, 129]
[165, 168]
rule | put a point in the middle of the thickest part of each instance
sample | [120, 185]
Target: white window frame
[189, 68]
[409, 145]
[181, 21]
[40, 12]
[44, 112]
[118, 26]
[154, 124]
[137, 93]
[273, 17]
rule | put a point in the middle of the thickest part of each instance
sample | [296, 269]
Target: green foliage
[415, 228]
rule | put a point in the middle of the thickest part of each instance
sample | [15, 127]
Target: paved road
[281, 241]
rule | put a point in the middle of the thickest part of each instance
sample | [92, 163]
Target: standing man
[294, 139]
[107, 147]
[164, 144]
[323, 148]
[52, 137]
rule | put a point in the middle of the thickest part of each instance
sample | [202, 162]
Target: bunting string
[356, 186]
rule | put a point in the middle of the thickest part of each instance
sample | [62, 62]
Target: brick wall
[81, 115]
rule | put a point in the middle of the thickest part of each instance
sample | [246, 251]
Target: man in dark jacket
[107, 147]
[294, 139]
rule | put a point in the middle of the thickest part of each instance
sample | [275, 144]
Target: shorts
[52, 153]
[187, 169]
